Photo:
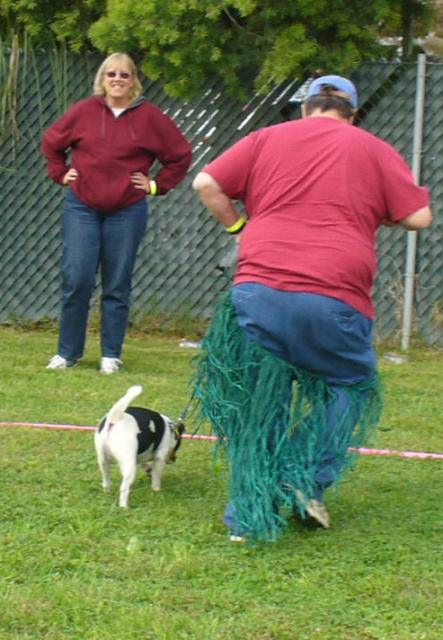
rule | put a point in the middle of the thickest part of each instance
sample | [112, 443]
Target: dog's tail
[121, 405]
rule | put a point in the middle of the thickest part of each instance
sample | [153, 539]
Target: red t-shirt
[315, 191]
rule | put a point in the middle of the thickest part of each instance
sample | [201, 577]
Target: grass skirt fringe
[284, 430]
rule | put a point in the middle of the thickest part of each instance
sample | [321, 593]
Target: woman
[113, 138]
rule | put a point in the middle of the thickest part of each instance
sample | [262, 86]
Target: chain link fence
[389, 111]
[177, 271]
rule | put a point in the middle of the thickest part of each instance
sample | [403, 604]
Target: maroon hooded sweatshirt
[106, 150]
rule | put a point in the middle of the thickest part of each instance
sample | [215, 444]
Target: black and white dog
[133, 434]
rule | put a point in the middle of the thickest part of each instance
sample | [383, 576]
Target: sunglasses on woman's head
[122, 74]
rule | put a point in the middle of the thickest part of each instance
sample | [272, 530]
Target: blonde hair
[136, 89]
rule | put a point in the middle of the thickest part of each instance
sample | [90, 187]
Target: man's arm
[420, 219]
[218, 203]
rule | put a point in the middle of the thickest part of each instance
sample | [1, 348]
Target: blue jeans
[314, 332]
[322, 335]
[94, 241]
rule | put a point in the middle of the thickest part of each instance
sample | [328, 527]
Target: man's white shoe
[110, 365]
[233, 538]
[58, 362]
[315, 509]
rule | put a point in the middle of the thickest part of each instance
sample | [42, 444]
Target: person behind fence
[287, 372]
[112, 137]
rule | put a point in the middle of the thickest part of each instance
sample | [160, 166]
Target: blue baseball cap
[343, 86]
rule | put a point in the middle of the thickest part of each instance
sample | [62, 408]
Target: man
[315, 191]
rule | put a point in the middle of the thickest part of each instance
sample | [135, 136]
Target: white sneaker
[315, 509]
[110, 365]
[59, 362]
[233, 538]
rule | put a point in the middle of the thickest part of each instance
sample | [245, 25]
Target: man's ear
[303, 110]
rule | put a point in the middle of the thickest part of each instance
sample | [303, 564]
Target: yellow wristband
[152, 187]
[237, 226]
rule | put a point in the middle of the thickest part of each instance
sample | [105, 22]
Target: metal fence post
[409, 281]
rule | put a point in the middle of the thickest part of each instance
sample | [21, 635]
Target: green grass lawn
[73, 566]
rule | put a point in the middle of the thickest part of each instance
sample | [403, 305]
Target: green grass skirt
[271, 420]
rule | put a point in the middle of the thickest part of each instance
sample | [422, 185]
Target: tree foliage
[46, 22]
[248, 44]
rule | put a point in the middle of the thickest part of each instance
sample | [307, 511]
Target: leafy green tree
[46, 22]
[248, 44]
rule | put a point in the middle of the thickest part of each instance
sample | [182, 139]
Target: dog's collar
[178, 428]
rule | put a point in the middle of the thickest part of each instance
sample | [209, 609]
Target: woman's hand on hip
[70, 176]
[140, 181]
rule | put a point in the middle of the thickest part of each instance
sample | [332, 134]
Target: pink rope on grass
[76, 427]
[45, 425]
[421, 455]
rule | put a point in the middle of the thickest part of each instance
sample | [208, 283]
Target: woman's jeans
[93, 240]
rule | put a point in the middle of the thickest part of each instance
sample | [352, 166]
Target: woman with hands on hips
[113, 138]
